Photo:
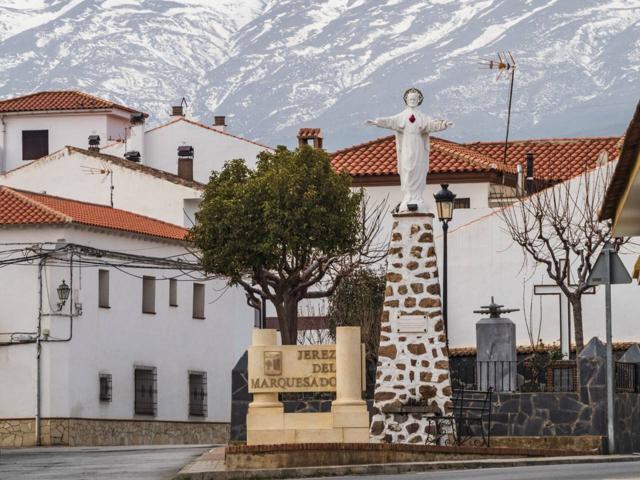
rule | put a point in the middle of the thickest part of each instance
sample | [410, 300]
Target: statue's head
[413, 97]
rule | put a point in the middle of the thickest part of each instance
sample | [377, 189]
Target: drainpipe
[39, 350]
[3, 144]
[39, 339]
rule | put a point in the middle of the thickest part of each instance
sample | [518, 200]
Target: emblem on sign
[273, 363]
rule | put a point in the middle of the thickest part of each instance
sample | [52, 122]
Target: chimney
[529, 159]
[310, 136]
[219, 123]
[519, 180]
[135, 140]
[185, 162]
[177, 111]
[94, 143]
[133, 155]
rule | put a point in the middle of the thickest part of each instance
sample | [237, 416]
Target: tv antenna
[505, 63]
[106, 172]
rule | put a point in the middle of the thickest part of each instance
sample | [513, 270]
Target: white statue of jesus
[412, 129]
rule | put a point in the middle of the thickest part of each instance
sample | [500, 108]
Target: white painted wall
[114, 340]
[483, 261]
[64, 129]
[211, 148]
[71, 174]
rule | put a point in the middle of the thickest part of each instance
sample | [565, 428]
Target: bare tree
[558, 228]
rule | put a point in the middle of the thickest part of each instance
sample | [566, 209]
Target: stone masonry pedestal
[412, 378]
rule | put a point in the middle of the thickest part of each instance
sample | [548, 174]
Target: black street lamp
[444, 204]
[63, 294]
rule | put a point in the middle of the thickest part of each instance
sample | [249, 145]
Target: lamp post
[444, 205]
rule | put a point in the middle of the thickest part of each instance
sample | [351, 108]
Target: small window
[185, 168]
[462, 203]
[103, 288]
[148, 294]
[35, 144]
[173, 292]
[146, 392]
[105, 387]
[198, 394]
[198, 301]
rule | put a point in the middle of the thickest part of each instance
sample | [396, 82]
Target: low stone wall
[76, 432]
[239, 457]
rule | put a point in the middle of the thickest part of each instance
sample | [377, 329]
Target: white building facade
[140, 352]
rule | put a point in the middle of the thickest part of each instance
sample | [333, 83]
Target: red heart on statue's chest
[412, 118]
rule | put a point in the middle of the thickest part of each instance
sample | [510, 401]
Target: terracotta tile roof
[554, 158]
[378, 157]
[59, 100]
[19, 207]
[309, 132]
[202, 125]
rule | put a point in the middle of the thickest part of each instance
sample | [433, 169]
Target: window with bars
[462, 203]
[146, 391]
[35, 144]
[198, 394]
[105, 387]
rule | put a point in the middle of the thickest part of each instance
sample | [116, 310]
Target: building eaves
[624, 169]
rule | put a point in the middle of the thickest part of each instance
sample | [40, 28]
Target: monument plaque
[410, 324]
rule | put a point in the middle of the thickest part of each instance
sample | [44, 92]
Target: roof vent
[94, 143]
[137, 118]
[310, 136]
[133, 155]
[529, 160]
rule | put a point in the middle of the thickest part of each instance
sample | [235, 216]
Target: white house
[91, 176]
[110, 335]
[482, 259]
[35, 125]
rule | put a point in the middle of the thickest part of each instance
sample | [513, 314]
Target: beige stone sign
[292, 368]
[336, 368]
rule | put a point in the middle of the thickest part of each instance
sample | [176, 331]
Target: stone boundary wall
[76, 432]
[241, 457]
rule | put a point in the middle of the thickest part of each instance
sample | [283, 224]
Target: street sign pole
[610, 380]
[608, 270]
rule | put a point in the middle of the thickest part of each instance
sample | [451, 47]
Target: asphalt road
[593, 471]
[96, 463]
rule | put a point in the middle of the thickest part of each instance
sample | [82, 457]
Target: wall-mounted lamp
[63, 294]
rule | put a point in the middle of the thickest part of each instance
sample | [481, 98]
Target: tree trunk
[576, 308]
[288, 320]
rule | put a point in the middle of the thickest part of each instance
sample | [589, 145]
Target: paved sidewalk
[210, 466]
[153, 462]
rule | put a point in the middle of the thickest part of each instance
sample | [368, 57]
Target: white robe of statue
[412, 130]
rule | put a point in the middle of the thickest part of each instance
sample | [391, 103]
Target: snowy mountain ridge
[273, 66]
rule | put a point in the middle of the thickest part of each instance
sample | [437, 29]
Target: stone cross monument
[412, 129]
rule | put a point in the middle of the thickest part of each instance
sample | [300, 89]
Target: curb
[397, 468]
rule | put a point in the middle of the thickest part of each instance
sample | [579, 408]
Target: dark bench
[471, 412]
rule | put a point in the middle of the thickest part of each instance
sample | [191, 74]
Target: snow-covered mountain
[273, 66]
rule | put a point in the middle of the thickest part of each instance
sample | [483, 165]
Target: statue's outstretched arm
[437, 125]
[385, 122]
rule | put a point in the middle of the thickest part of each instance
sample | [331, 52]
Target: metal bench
[471, 412]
